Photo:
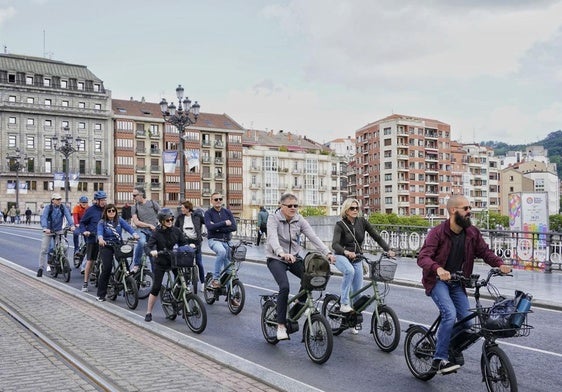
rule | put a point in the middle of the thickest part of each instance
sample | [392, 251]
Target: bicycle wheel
[166, 302]
[318, 338]
[385, 329]
[331, 311]
[419, 349]
[145, 281]
[269, 322]
[498, 374]
[112, 288]
[236, 297]
[209, 293]
[131, 292]
[66, 269]
[194, 313]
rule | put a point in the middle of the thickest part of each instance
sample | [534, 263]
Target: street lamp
[67, 149]
[180, 119]
[15, 164]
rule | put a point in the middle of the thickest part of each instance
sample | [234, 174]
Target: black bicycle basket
[239, 253]
[316, 272]
[383, 270]
[183, 256]
[505, 318]
[123, 251]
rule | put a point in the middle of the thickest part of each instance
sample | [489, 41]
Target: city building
[279, 162]
[403, 166]
[42, 102]
[345, 150]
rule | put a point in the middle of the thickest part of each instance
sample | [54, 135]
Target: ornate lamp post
[67, 149]
[15, 164]
[180, 119]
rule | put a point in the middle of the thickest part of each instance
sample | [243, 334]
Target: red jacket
[437, 246]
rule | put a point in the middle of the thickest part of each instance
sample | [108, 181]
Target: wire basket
[505, 331]
[239, 253]
[383, 270]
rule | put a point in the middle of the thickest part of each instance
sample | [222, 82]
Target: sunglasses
[218, 199]
[169, 220]
[112, 210]
[466, 208]
[136, 194]
[291, 205]
[353, 208]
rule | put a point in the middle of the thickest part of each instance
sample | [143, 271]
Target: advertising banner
[192, 157]
[58, 181]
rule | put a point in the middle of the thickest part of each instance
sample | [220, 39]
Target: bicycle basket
[383, 270]
[183, 256]
[505, 318]
[316, 272]
[123, 251]
[239, 253]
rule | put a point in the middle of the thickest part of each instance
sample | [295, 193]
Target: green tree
[555, 222]
[313, 211]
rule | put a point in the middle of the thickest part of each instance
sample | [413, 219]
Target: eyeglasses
[112, 210]
[353, 208]
[169, 220]
[466, 208]
[291, 205]
[218, 199]
[136, 194]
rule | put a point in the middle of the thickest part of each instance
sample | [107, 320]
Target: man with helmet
[164, 238]
[145, 218]
[77, 213]
[88, 228]
[52, 220]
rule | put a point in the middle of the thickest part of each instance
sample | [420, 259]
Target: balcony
[155, 185]
[206, 159]
[155, 151]
[297, 187]
[155, 168]
[254, 169]
[219, 144]
[140, 133]
[206, 143]
[206, 192]
[219, 161]
[296, 171]
[255, 186]
[140, 168]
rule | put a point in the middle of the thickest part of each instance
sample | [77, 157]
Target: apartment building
[213, 151]
[481, 180]
[344, 149]
[43, 101]
[279, 162]
[403, 166]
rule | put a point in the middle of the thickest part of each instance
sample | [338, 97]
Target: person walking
[190, 221]
[109, 231]
[450, 247]
[262, 223]
[12, 214]
[28, 214]
[284, 252]
[220, 225]
[52, 220]
[145, 218]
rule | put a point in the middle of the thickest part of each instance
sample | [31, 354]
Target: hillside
[553, 143]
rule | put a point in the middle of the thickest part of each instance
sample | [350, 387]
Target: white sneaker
[282, 333]
[354, 331]
[345, 308]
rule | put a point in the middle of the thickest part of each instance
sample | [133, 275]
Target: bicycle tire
[167, 307]
[386, 329]
[145, 281]
[112, 287]
[131, 292]
[418, 351]
[331, 311]
[194, 313]
[66, 269]
[318, 338]
[209, 293]
[498, 375]
[269, 322]
[236, 297]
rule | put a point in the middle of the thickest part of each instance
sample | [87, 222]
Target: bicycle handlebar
[473, 281]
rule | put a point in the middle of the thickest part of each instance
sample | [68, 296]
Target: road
[355, 359]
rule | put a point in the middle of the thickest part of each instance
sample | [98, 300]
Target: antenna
[46, 54]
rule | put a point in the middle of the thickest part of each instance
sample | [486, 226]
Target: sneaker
[355, 330]
[215, 284]
[101, 299]
[148, 317]
[345, 308]
[282, 333]
[443, 366]
[40, 272]
[135, 269]
[85, 287]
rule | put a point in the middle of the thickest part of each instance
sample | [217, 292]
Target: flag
[58, 180]
[169, 158]
[192, 157]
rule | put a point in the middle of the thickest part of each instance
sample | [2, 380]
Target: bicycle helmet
[100, 195]
[83, 199]
[164, 214]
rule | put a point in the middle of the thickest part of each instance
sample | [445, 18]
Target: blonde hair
[347, 203]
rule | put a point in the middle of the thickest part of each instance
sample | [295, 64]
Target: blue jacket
[216, 226]
[89, 222]
[55, 221]
[108, 235]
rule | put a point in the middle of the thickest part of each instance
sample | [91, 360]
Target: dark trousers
[262, 230]
[279, 269]
[106, 256]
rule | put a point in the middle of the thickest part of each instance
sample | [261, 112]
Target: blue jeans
[222, 250]
[453, 305]
[139, 248]
[352, 277]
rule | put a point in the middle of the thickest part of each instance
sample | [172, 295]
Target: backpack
[316, 271]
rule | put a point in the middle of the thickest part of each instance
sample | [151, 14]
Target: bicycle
[79, 255]
[58, 260]
[176, 295]
[495, 366]
[385, 325]
[317, 334]
[144, 278]
[231, 286]
[120, 278]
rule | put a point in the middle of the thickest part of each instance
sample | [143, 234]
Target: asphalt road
[356, 362]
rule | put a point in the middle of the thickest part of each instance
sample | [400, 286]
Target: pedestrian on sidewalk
[262, 223]
[28, 214]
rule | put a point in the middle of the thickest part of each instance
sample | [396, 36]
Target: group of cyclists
[449, 247]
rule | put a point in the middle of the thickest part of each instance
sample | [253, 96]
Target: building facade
[42, 101]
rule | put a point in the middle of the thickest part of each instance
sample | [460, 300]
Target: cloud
[6, 13]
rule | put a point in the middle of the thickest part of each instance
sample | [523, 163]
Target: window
[97, 146]
[11, 140]
[97, 127]
[97, 106]
[64, 124]
[12, 120]
[64, 83]
[48, 165]
[98, 186]
[47, 82]
[387, 131]
[65, 103]
[81, 105]
[29, 80]
[48, 102]
[388, 177]
[80, 85]
[30, 100]
[82, 186]
[97, 88]
[48, 123]
[81, 125]
[11, 78]
[82, 166]
[98, 167]
[48, 143]
[12, 98]
[82, 145]
[30, 121]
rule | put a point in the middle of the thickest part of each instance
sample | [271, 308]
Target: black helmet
[164, 214]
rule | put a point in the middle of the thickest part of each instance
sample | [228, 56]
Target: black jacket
[197, 219]
[164, 239]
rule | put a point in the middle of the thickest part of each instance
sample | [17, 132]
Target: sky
[321, 68]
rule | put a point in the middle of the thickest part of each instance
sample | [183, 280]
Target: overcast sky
[323, 68]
